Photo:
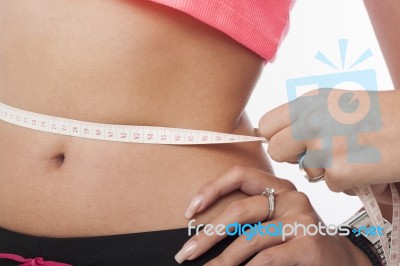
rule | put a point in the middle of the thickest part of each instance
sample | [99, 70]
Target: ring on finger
[306, 175]
[270, 194]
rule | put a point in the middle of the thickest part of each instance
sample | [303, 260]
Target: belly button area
[58, 159]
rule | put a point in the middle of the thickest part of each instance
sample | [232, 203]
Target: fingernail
[194, 206]
[187, 250]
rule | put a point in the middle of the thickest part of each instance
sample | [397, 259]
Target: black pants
[147, 248]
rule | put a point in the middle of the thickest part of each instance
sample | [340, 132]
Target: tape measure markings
[119, 133]
[179, 136]
[390, 247]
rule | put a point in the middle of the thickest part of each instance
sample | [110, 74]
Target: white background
[316, 25]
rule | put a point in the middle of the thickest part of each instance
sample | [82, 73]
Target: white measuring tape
[390, 246]
[178, 136]
[120, 133]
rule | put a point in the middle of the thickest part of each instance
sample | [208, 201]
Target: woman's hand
[290, 207]
[352, 136]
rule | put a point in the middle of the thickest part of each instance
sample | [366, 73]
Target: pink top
[257, 24]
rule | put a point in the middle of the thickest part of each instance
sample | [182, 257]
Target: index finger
[249, 180]
[274, 121]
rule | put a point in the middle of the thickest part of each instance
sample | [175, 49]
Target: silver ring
[270, 194]
[305, 174]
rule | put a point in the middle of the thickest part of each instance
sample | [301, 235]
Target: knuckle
[253, 243]
[311, 92]
[306, 218]
[238, 171]
[314, 122]
[267, 258]
[287, 185]
[299, 198]
[219, 261]
[237, 208]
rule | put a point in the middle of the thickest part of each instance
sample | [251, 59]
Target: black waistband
[147, 248]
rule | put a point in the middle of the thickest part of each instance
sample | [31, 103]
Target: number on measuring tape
[121, 133]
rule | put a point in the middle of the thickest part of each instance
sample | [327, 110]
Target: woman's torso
[118, 62]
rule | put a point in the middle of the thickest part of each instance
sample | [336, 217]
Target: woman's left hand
[352, 136]
[290, 207]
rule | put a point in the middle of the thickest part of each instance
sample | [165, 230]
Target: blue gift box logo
[330, 125]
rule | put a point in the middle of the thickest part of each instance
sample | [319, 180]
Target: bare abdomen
[119, 62]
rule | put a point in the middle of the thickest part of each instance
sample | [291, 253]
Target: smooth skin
[128, 62]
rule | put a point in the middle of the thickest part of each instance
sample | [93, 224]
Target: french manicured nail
[187, 250]
[193, 206]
